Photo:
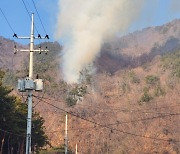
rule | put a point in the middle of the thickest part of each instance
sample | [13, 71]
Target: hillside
[139, 47]
[131, 105]
[7, 58]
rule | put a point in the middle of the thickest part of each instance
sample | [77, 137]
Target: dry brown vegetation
[131, 104]
[123, 122]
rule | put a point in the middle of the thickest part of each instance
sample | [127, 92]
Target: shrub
[133, 77]
[159, 91]
[125, 87]
[172, 62]
[146, 97]
[151, 79]
[70, 101]
[76, 94]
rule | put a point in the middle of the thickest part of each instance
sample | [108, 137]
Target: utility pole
[76, 149]
[29, 84]
[66, 135]
[29, 116]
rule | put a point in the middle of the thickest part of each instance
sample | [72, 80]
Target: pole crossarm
[27, 37]
[27, 50]
[24, 37]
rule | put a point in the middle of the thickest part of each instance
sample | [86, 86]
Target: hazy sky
[156, 13]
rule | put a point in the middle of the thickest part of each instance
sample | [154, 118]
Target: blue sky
[156, 12]
[17, 16]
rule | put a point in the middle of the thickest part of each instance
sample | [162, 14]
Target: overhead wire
[145, 119]
[124, 122]
[140, 120]
[38, 101]
[26, 9]
[123, 110]
[30, 18]
[7, 21]
[55, 131]
[12, 58]
[39, 17]
[120, 109]
[41, 97]
[105, 126]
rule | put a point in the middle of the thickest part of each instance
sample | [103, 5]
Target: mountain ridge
[124, 92]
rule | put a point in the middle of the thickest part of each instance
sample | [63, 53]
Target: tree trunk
[22, 147]
[2, 144]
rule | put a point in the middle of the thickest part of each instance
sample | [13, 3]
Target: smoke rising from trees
[85, 25]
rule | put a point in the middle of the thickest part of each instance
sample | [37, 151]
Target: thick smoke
[86, 24]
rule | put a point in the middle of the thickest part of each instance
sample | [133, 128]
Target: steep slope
[7, 58]
[139, 47]
[131, 105]
[134, 111]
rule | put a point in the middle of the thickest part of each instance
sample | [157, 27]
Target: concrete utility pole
[29, 116]
[28, 84]
[76, 149]
[66, 135]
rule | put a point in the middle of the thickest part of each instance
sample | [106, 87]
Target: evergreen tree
[13, 114]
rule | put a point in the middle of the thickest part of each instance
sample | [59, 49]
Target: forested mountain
[139, 47]
[130, 105]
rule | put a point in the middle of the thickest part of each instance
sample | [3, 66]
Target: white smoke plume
[85, 24]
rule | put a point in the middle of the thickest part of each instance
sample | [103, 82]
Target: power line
[30, 18]
[126, 110]
[137, 120]
[39, 16]
[123, 110]
[145, 119]
[56, 131]
[125, 122]
[7, 20]
[105, 126]
[39, 100]
[26, 9]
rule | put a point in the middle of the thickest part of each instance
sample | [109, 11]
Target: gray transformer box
[29, 83]
[38, 84]
[21, 85]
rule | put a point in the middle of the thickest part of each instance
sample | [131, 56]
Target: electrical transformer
[38, 84]
[21, 86]
[29, 83]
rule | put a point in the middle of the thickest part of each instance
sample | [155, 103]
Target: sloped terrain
[131, 104]
[134, 111]
[9, 60]
[139, 47]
